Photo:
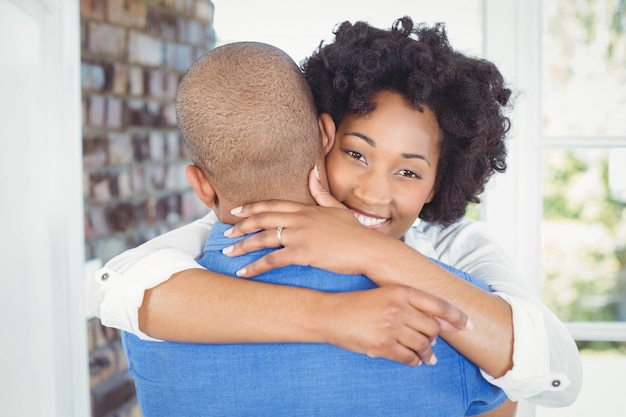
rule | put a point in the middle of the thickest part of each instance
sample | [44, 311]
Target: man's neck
[223, 208]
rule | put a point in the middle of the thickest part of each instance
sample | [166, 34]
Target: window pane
[584, 234]
[584, 67]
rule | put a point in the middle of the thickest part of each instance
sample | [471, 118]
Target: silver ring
[279, 235]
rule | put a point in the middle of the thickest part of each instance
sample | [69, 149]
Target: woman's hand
[327, 237]
[395, 322]
[310, 235]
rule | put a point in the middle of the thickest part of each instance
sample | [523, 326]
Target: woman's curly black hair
[467, 95]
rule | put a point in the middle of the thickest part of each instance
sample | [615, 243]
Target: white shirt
[546, 366]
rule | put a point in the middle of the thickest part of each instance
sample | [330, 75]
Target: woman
[516, 341]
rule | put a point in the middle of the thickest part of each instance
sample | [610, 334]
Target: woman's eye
[355, 155]
[410, 174]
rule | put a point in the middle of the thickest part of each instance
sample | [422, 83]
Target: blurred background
[92, 164]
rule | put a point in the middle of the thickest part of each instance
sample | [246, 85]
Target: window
[583, 145]
[582, 151]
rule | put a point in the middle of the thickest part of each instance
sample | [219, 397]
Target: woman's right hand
[394, 322]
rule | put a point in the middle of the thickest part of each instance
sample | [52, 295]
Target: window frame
[513, 201]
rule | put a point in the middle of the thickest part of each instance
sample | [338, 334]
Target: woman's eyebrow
[416, 156]
[365, 138]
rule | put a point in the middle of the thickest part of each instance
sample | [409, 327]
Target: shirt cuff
[531, 373]
[121, 295]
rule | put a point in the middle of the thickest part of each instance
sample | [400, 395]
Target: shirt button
[556, 383]
[105, 276]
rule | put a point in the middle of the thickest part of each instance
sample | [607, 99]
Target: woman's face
[382, 165]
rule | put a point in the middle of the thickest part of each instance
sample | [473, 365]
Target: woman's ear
[430, 197]
[328, 129]
[201, 185]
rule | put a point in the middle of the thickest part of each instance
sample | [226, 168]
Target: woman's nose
[373, 188]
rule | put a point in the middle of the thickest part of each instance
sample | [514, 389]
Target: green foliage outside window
[583, 227]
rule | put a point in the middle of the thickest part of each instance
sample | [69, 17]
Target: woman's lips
[368, 221]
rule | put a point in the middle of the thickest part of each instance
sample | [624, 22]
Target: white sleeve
[547, 369]
[116, 291]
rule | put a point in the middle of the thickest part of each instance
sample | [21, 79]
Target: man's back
[178, 379]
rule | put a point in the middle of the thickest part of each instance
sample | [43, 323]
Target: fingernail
[317, 173]
[236, 210]
[433, 343]
[469, 325]
[432, 360]
[228, 232]
[227, 250]
[241, 272]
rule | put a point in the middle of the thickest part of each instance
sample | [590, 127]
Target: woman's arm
[134, 292]
[331, 238]
[200, 306]
[547, 368]
[540, 363]
[490, 344]
[117, 290]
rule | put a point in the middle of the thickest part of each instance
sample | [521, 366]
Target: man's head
[249, 121]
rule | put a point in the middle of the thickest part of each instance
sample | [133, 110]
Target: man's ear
[204, 190]
[328, 129]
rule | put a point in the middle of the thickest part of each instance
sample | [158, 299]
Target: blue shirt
[297, 379]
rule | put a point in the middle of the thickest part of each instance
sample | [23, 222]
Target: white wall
[43, 351]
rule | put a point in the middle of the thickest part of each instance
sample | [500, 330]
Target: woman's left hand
[327, 236]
